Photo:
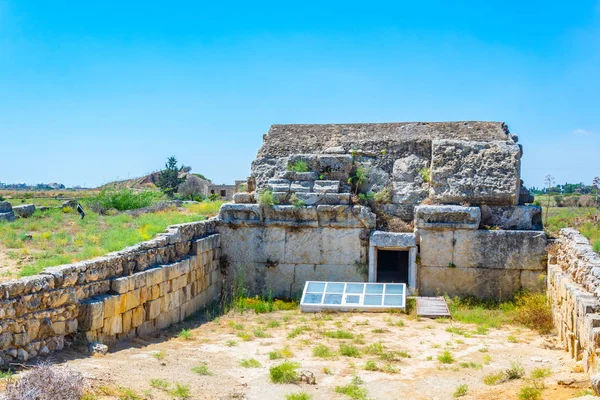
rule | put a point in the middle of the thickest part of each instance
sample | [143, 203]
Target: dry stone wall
[574, 288]
[141, 289]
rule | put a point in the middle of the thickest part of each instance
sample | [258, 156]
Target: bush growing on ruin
[45, 382]
[298, 166]
[384, 196]
[265, 198]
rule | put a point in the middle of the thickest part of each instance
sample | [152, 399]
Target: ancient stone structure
[25, 210]
[136, 291]
[574, 289]
[6, 211]
[457, 183]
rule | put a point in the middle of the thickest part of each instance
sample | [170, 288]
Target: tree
[169, 179]
[549, 180]
[596, 186]
[192, 188]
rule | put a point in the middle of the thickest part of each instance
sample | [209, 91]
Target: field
[56, 237]
[581, 218]
[482, 353]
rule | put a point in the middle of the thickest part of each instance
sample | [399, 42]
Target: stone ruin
[441, 207]
[442, 210]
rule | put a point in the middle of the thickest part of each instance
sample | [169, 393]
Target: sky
[96, 91]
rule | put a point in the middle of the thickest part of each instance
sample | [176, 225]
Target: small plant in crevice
[266, 198]
[296, 202]
[425, 174]
[298, 166]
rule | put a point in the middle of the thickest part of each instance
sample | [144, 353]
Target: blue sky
[94, 91]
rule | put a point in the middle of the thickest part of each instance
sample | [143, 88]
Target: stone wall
[278, 248]
[132, 292]
[574, 288]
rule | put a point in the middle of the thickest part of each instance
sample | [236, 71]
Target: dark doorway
[392, 266]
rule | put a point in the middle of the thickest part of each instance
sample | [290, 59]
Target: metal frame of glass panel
[347, 296]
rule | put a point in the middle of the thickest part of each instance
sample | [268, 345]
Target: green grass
[162, 384]
[202, 369]
[186, 334]
[286, 372]
[339, 334]
[349, 350]
[461, 391]
[494, 378]
[62, 238]
[159, 355]
[353, 389]
[445, 357]
[322, 351]
[180, 391]
[540, 372]
[298, 166]
[250, 363]
[516, 371]
[528, 392]
[298, 396]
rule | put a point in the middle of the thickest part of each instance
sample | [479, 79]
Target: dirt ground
[413, 369]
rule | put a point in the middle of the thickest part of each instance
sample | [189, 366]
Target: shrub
[45, 382]
[285, 372]
[322, 351]
[122, 199]
[494, 378]
[535, 312]
[250, 363]
[186, 334]
[339, 334]
[371, 366]
[353, 389]
[265, 198]
[461, 391]
[202, 369]
[298, 396]
[298, 166]
[516, 371]
[445, 357]
[384, 196]
[425, 174]
[349, 350]
[180, 391]
[530, 393]
[540, 373]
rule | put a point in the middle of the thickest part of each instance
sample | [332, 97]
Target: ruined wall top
[283, 140]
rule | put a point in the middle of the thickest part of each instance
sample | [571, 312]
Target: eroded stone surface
[512, 217]
[447, 217]
[25, 210]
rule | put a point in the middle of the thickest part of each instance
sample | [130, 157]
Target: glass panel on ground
[350, 296]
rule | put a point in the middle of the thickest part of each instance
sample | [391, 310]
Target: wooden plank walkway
[432, 307]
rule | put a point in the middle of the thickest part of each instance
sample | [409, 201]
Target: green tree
[169, 179]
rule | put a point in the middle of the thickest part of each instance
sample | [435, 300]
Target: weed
[162, 384]
[445, 357]
[494, 378]
[250, 363]
[425, 174]
[298, 396]
[266, 198]
[530, 393]
[487, 359]
[231, 343]
[512, 339]
[349, 350]
[297, 331]
[535, 312]
[285, 372]
[298, 166]
[371, 366]
[296, 202]
[353, 389]
[283, 353]
[540, 372]
[470, 364]
[481, 330]
[375, 348]
[461, 391]
[516, 371]
[245, 336]
[322, 351]
[180, 391]
[186, 334]
[259, 333]
[159, 355]
[390, 369]
[273, 324]
[339, 334]
[202, 369]
[379, 330]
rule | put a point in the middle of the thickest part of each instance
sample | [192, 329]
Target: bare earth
[217, 345]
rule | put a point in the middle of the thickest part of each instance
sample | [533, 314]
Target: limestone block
[475, 172]
[121, 285]
[132, 300]
[279, 185]
[127, 321]
[280, 197]
[512, 217]
[91, 314]
[406, 169]
[137, 316]
[345, 217]
[322, 186]
[111, 305]
[154, 276]
[113, 325]
[447, 217]
[409, 193]
[5, 207]
[303, 246]
[311, 199]
[25, 210]
[153, 309]
[243, 198]
[300, 176]
[253, 244]
[301, 186]
[336, 198]
[340, 246]
[533, 281]
[241, 214]
[402, 211]
[392, 239]
[496, 284]
[330, 165]
[290, 216]
[6, 212]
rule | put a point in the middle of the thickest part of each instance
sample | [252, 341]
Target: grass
[349, 350]
[286, 372]
[62, 238]
[516, 371]
[283, 353]
[186, 334]
[298, 166]
[162, 384]
[539, 373]
[445, 357]
[461, 390]
[250, 363]
[528, 392]
[494, 378]
[322, 351]
[180, 391]
[298, 396]
[202, 369]
[353, 389]
[580, 218]
[339, 334]
[159, 355]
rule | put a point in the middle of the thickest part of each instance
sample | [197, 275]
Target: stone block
[496, 284]
[340, 246]
[91, 314]
[300, 176]
[475, 172]
[153, 309]
[345, 217]
[290, 216]
[303, 246]
[392, 239]
[127, 321]
[279, 185]
[121, 285]
[137, 316]
[336, 199]
[113, 325]
[24, 211]
[512, 217]
[310, 199]
[323, 186]
[111, 305]
[243, 198]
[241, 214]
[132, 299]
[534, 281]
[301, 186]
[447, 217]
